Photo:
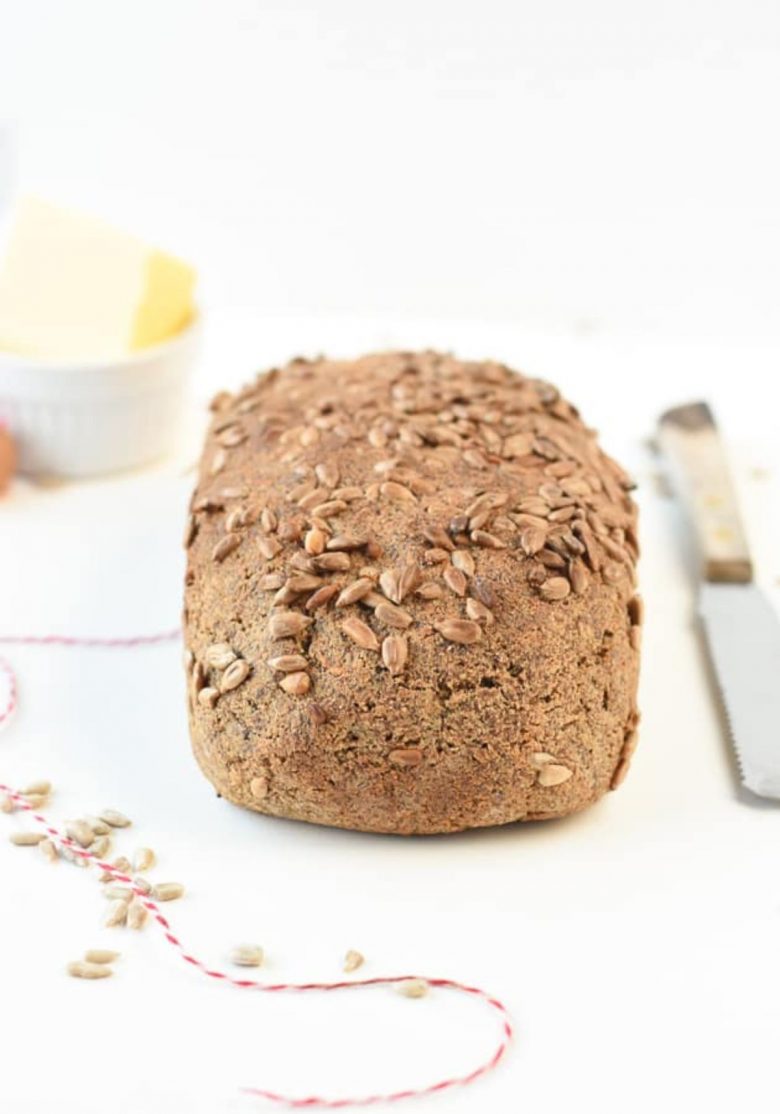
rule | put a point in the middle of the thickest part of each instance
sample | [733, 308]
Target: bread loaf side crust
[410, 598]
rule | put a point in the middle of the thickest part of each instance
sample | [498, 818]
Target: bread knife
[741, 628]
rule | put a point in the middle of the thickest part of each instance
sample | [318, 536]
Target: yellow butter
[72, 287]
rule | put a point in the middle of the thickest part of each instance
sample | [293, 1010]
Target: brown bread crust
[410, 598]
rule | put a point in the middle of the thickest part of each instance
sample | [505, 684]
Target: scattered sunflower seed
[235, 675]
[167, 891]
[144, 859]
[463, 631]
[247, 955]
[412, 988]
[137, 915]
[100, 955]
[80, 832]
[296, 684]
[27, 839]
[552, 774]
[114, 818]
[117, 914]
[81, 970]
[360, 633]
[352, 960]
[220, 655]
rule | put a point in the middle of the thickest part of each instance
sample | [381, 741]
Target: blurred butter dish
[98, 334]
[86, 418]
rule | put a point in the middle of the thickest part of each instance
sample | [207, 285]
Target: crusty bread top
[456, 458]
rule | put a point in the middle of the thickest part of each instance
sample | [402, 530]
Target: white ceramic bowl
[81, 419]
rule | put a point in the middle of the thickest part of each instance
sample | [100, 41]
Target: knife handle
[689, 437]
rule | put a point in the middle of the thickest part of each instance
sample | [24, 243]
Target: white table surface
[636, 944]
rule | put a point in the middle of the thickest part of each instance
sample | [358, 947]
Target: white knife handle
[689, 437]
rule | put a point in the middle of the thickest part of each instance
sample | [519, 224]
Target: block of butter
[72, 287]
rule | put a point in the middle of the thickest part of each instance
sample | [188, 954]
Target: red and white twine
[312, 1101]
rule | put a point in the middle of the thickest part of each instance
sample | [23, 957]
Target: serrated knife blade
[742, 629]
[743, 638]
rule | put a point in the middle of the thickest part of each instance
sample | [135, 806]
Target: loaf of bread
[410, 598]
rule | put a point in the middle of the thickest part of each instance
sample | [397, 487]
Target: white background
[586, 190]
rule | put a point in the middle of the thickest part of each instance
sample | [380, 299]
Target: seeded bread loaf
[410, 598]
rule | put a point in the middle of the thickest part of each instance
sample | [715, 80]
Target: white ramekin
[81, 419]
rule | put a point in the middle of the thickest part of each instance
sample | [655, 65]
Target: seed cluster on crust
[534, 488]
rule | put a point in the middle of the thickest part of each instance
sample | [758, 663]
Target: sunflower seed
[140, 883]
[144, 859]
[397, 493]
[225, 546]
[269, 547]
[114, 818]
[100, 955]
[327, 473]
[551, 560]
[118, 893]
[315, 498]
[430, 591]
[318, 715]
[81, 832]
[406, 756]
[321, 597]
[235, 520]
[352, 960]
[483, 591]
[231, 436]
[302, 563]
[117, 914]
[556, 588]
[478, 612]
[464, 561]
[81, 970]
[412, 988]
[389, 582]
[235, 675]
[635, 638]
[486, 540]
[99, 827]
[552, 774]
[287, 624]
[393, 616]
[395, 653]
[303, 582]
[532, 539]
[409, 577]
[137, 916]
[167, 891]
[344, 541]
[347, 494]
[314, 542]
[332, 562]
[220, 655]
[7, 804]
[355, 591]
[579, 577]
[463, 631]
[438, 537]
[27, 839]
[329, 508]
[288, 663]
[38, 788]
[101, 847]
[49, 850]
[270, 582]
[247, 955]
[455, 580]
[541, 758]
[208, 697]
[296, 684]
[360, 633]
[519, 444]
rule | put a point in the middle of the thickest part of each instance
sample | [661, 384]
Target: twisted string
[291, 1102]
